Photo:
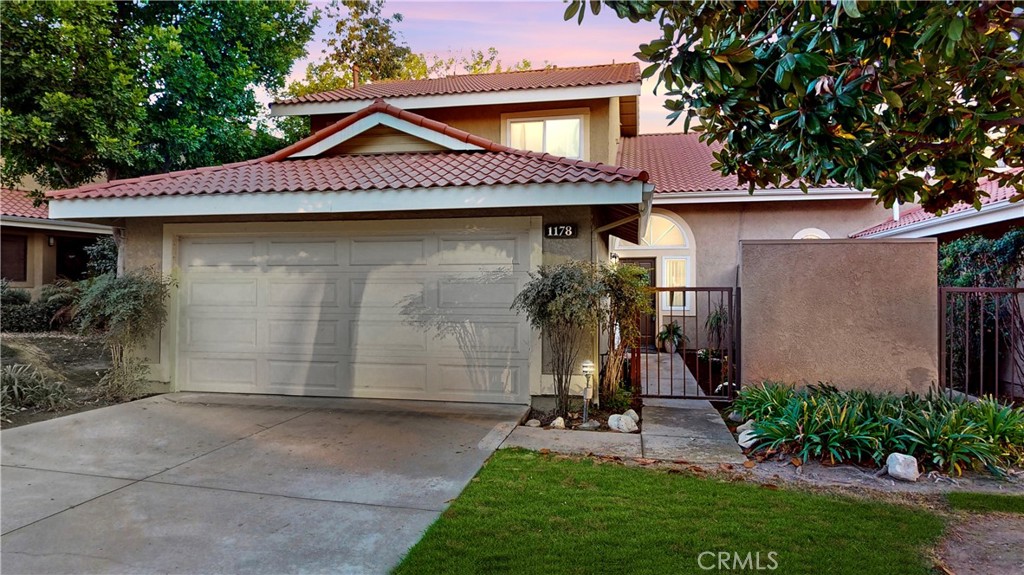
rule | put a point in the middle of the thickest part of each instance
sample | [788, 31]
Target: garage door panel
[303, 292]
[217, 253]
[402, 251]
[475, 379]
[221, 292]
[304, 377]
[239, 334]
[383, 336]
[504, 251]
[238, 374]
[484, 338]
[386, 293]
[304, 333]
[385, 376]
[322, 253]
[480, 292]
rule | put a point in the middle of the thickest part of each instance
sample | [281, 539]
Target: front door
[648, 327]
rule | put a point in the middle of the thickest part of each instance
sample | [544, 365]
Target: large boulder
[632, 415]
[748, 426]
[622, 424]
[902, 467]
[558, 423]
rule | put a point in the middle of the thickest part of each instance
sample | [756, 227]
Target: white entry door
[397, 309]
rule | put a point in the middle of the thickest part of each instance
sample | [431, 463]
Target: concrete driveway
[207, 483]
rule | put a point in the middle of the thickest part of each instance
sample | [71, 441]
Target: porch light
[588, 371]
[614, 257]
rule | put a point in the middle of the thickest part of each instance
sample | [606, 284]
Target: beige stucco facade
[854, 313]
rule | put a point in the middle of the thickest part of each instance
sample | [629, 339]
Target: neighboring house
[996, 216]
[35, 249]
[379, 256]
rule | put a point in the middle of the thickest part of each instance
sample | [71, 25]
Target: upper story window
[557, 135]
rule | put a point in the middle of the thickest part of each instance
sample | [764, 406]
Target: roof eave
[742, 196]
[519, 96]
[54, 225]
[995, 212]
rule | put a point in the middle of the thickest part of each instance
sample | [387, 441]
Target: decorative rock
[533, 423]
[632, 415]
[747, 438]
[622, 424]
[902, 467]
[558, 423]
[735, 417]
[748, 426]
[589, 425]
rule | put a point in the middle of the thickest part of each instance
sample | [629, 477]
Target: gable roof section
[925, 223]
[479, 162]
[573, 77]
[680, 164]
[16, 203]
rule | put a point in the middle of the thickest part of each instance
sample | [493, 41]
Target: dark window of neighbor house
[72, 261]
[14, 257]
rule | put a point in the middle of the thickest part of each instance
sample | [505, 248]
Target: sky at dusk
[532, 30]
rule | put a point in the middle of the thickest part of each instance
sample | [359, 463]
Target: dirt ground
[990, 544]
[79, 361]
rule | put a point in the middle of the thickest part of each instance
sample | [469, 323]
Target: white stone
[735, 417]
[558, 423]
[747, 438]
[748, 426]
[589, 425]
[533, 423]
[902, 467]
[632, 415]
[622, 424]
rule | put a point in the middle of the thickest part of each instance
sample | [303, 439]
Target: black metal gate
[696, 353]
[981, 341]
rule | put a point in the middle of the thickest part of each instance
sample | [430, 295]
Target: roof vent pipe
[355, 75]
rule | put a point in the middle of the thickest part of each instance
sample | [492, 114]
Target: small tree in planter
[628, 291]
[563, 301]
[127, 311]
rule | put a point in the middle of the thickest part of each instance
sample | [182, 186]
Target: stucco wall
[855, 313]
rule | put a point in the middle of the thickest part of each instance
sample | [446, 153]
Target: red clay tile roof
[17, 203]
[679, 163]
[496, 164]
[915, 214]
[602, 75]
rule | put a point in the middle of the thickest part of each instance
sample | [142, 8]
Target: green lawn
[532, 513]
[984, 502]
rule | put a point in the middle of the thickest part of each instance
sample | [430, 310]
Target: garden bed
[77, 361]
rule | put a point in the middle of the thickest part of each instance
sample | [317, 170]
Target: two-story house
[379, 256]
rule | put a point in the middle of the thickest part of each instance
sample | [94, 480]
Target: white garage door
[357, 312]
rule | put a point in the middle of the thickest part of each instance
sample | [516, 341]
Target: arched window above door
[662, 232]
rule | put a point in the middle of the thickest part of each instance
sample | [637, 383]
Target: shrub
[127, 311]
[102, 256]
[29, 317]
[822, 422]
[12, 296]
[564, 301]
[22, 387]
[627, 288]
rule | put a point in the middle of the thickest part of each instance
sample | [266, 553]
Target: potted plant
[670, 336]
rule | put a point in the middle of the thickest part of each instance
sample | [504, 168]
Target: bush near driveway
[531, 513]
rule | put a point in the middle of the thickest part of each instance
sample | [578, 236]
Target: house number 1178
[560, 231]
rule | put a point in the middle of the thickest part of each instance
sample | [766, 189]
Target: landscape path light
[588, 371]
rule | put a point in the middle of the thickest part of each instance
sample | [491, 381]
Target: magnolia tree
[902, 97]
[569, 301]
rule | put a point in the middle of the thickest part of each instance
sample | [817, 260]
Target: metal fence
[691, 349]
[981, 341]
